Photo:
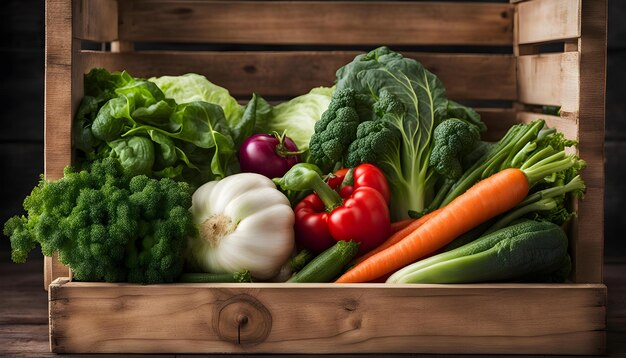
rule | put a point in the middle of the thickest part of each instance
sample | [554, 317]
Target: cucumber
[327, 265]
[526, 248]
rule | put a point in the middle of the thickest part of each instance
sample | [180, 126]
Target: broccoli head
[453, 138]
[106, 225]
[375, 143]
[337, 128]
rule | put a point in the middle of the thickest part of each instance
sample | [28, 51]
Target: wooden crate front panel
[292, 318]
[316, 22]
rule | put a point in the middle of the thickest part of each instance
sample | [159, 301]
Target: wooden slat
[466, 76]
[58, 91]
[57, 102]
[550, 79]
[316, 22]
[590, 227]
[327, 318]
[548, 20]
[95, 20]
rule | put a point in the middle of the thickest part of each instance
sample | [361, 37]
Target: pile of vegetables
[379, 178]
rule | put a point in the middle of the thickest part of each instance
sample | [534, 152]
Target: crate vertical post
[590, 225]
[58, 104]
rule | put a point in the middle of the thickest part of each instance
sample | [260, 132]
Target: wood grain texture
[58, 106]
[29, 338]
[95, 20]
[316, 22]
[466, 76]
[323, 318]
[548, 20]
[590, 243]
[53, 269]
[58, 90]
[550, 79]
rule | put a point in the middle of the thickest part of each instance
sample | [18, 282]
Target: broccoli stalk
[399, 149]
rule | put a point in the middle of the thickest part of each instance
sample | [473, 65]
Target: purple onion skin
[261, 153]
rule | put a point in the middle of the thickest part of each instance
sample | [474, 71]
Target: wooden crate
[511, 77]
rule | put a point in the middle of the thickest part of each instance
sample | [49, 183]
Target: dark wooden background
[21, 114]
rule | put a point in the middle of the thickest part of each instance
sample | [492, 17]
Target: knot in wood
[243, 320]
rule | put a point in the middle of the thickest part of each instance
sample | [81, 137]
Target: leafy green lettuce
[192, 87]
[151, 133]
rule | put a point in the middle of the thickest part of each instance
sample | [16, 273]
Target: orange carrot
[398, 236]
[399, 225]
[483, 201]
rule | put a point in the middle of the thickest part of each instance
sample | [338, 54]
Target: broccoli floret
[107, 225]
[453, 138]
[336, 129]
[375, 143]
[388, 104]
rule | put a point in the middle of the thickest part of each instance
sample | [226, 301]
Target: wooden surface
[24, 315]
[291, 73]
[311, 23]
[59, 100]
[550, 79]
[327, 318]
[590, 228]
[548, 20]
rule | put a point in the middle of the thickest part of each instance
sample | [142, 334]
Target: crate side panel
[590, 228]
[550, 79]
[334, 23]
[283, 318]
[548, 20]
[289, 73]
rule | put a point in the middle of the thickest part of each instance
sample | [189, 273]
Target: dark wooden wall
[21, 103]
[615, 145]
[21, 113]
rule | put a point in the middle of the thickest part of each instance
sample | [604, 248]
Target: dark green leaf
[135, 153]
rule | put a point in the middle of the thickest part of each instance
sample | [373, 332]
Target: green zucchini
[327, 265]
[510, 253]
